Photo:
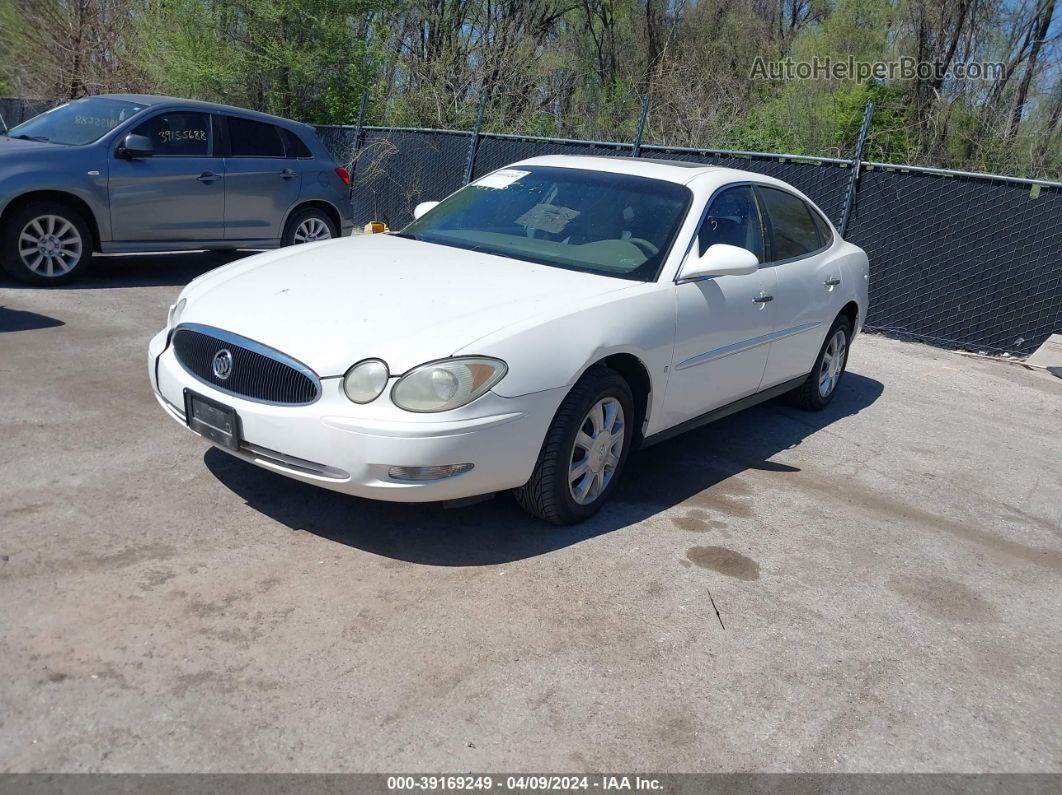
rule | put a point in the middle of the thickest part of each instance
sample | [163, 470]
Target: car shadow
[497, 531]
[21, 320]
[167, 269]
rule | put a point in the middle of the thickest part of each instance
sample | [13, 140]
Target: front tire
[45, 243]
[584, 452]
[307, 226]
[821, 384]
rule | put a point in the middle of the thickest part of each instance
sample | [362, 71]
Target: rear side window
[254, 138]
[793, 230]
[294, 144]
[825, 235]
[733, 219]
[178, 134]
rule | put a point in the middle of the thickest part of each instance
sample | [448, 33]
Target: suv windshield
[78, 122]
[609, 224]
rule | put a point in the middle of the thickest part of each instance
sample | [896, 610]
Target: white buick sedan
[527, 333]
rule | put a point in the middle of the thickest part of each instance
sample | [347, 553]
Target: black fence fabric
[16, 110]
[957, 261]
[961, 261]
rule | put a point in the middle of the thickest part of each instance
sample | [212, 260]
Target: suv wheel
[45, 243]
[308, 225]
[584, 451]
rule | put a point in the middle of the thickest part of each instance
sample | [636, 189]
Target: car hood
[20, 147]
[332, 304]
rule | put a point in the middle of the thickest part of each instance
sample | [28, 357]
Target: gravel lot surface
[886, 573]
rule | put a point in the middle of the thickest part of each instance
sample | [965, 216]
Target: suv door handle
[762, 299]
[287, 173]
[832, 282]
[208, 176]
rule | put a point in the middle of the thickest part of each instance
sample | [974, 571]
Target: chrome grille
[257, 372]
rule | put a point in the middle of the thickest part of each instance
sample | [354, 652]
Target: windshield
[593, 221]
[76, 123]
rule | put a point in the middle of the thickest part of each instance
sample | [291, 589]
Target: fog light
[428, 473]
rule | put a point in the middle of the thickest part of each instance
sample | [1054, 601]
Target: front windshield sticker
[547, 218]
[500, 179]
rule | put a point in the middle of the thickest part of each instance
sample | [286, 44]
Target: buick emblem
[223, 364]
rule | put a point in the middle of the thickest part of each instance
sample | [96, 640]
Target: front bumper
[350, 448]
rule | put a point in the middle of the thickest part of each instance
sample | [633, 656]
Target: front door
[177, 194]
[723, 323]
[261, 183]
[807, 297]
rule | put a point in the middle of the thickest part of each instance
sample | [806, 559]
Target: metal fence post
[359, 128]
[857, 162]
[637, 149]
[473, 143]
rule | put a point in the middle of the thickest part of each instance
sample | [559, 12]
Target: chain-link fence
[958, 260]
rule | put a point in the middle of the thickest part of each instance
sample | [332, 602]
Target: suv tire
[45, 243]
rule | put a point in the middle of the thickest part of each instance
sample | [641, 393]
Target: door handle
[832, 282]
[287, 173]
[208, 177]
[762, 299]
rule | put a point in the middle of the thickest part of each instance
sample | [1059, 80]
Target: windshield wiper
[406, 235]
[23, 137]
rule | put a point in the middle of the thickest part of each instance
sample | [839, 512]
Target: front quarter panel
[546, 353]
[80, 171]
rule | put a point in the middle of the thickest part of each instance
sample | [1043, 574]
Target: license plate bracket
[212, 420]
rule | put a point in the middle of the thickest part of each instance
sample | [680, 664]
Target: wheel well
[637, 377]
[71, 201]
[332, 212]
[850, 311]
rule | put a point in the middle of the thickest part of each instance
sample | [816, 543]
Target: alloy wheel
[832, 362]
[597, 450]
[50, 246]
[312, 229]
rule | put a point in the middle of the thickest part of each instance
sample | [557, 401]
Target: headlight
[174, 315]
[364, 382]
[447, 383]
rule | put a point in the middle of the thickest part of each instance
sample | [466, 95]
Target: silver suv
[125, 173]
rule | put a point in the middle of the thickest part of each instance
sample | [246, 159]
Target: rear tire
[821, 384]
[308, 225]
[584, 451]
[45, 243]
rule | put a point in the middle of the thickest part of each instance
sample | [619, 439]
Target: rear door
[808, 297]
[178, 194]
[261, 181]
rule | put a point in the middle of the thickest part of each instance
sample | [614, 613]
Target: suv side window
[733, 219]
[793, 230]
[179, 134]
[294, 144]
[249, 138]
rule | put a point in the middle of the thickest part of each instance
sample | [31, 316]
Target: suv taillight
[343, 175]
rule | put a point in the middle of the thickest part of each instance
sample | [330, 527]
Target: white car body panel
[703, 344]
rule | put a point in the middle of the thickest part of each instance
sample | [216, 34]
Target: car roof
[680, 171]
[151, 100]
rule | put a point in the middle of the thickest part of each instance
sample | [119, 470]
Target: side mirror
[133, 146]
[422, 208]
[719, 260]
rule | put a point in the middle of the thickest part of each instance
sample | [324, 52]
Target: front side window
[593, 221]
[178, 134]
[254, 139]
[77, 123]
[734, 220]
[793, 231]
